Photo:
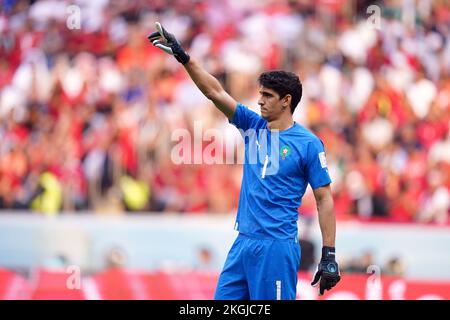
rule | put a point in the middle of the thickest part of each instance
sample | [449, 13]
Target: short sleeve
[316, 165]
[244, 118]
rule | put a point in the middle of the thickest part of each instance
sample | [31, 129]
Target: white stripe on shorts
[278, 282]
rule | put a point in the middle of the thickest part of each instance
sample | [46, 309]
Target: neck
[280, 124]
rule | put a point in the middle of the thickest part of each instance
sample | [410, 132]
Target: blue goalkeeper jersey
[278, 166]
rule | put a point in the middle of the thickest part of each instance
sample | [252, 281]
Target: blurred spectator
[87, 115]
[437, 202]
[359, 264]
[394, 267]
[205, 260]
[115, 258]
[308, 259]
[307, 248]
[49, 198]
[58, 262]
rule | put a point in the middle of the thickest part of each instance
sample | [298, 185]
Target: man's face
[271, 104]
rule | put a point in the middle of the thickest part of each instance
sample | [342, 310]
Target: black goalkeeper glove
[327, 273]
[168, 43]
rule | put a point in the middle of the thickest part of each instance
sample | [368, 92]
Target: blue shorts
[260, 269]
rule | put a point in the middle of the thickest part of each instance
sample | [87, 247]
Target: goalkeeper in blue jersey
[281, 159]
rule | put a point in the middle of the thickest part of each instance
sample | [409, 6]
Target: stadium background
[92, 205]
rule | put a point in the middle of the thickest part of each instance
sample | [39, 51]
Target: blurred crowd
[363, 262]
[88, 113]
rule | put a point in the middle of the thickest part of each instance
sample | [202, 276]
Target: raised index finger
[160, 29]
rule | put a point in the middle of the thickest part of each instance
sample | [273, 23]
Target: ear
[287, 101]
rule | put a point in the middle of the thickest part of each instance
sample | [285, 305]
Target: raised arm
[207, 84]
[211, 88]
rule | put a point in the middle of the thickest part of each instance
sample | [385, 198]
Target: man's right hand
[168, 43]
[208, 84]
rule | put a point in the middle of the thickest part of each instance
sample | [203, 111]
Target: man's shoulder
[256, 121]
[242, 108]
[305, 135]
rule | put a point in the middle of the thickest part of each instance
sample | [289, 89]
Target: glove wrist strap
[328, 253]
[183, 57]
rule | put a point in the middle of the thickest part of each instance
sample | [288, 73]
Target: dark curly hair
[283, 83]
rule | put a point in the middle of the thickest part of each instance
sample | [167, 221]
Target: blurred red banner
[118, 284]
